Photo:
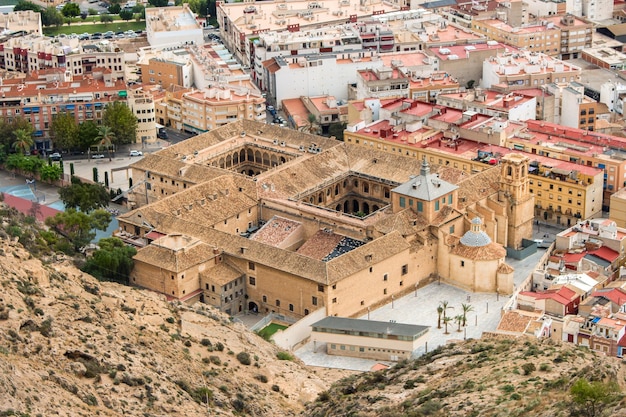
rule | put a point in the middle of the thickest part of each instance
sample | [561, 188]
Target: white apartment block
[173, 26]
[613, 94]
[316, 75]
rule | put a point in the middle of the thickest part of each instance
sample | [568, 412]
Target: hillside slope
[71, 346]
[487, 377]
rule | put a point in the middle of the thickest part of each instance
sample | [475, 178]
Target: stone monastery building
[256, 217]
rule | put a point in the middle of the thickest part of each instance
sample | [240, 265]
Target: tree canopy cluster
[118, 118]
[84, 196]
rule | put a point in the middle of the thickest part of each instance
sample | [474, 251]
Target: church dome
[476, 237]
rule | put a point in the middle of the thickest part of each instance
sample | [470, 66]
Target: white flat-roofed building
[368, 339]
[173, 26]
[523, 69]
[24, 20]
[296, 76]
[239, 23]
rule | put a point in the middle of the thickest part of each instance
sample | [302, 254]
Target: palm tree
[446, 320]
[458, 319]
[466, 309]
[23, 140]
[105, 138]
[312, 127]
[444, 305]
[439, 311]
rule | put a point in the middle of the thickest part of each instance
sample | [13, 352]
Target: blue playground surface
[22, 191]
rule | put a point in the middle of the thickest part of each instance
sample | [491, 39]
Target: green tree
[313, 126]
[87, 134]
[64, 130]
[26, 5]
[466, 309]
[105, 138]
[70, 10]
[23, 140]
[126, 14]
[92, 12]
[76, 226]
[592, 397]
[50, 173]
[445, 307]
[446, 320]
[158, 3]
[83, 196]
[50, 16]
[114, 8]
[24, 164]
[7, 129]
[106, 18]
[113, 261]
[458, 319]
[336, 130]
[122, 121]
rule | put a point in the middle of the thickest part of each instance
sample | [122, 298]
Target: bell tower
[515, 194]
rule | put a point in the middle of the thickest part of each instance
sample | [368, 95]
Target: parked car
[135, 153]
[162, 134]
[55, 156]
[97, 156]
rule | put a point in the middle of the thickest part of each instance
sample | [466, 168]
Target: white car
[135, 153]
[97, 156]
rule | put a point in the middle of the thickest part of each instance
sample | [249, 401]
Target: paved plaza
[421, 308]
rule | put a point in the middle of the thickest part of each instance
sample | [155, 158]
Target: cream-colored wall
[476, 276]
[385, 349]
[176, 285]
[617, 211]
[354, 294]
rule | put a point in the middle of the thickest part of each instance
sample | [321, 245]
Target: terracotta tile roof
[505, 268]
[177, 259]
[320, 245]
[208, 203]
[478, 186]
[489, 252]
[517, 321]
[276, 230]
[221, 274]
[356, 260]
[175, 168]
[605, 253]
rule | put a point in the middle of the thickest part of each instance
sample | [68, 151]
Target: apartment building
[166, 71]
[35, 52]
[43, 94]
[326, 39]
[464, 13]
[170, 26]
[241, 24]
[296, 76]
[205, 110]
[142, 104]
[525, 69]
[582, 147]
[572, 107]
[466, 61]
[560, 36]
[512, 106]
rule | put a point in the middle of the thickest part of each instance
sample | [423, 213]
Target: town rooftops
[369, 328]
[563, 295]
[615, 295]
